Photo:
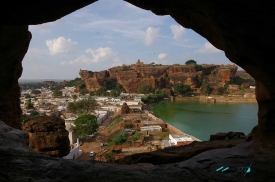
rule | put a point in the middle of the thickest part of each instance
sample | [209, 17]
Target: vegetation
[77, 81]
[145, 89]
[82, 106]
[57, 93]
[110, 157]
[194, 63]
[114, 123]
[36, 92]
[119, 139]
[84, 91]
[180, 88]
[27, 96]
[86, 124]
[137, 135]
[190, 62]
[205, 88]
[154, 97]
[101, 91]
[29, 104]
[33, 114]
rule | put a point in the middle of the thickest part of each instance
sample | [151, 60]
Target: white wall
[74, 153]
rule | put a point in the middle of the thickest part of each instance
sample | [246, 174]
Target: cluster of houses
[148, 126]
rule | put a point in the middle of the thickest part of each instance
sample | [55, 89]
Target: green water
[203, 119]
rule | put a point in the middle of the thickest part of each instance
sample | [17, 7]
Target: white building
[179, 139]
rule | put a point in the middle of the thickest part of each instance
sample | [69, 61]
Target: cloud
[101, 54]
[177, 31]
[151, 35]
[61, 45]
[97, 56]
[208, 49]
[162, 56]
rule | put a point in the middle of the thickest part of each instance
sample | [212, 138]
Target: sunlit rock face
[48, 135]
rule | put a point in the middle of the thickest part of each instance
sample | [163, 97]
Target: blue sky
[110, 33]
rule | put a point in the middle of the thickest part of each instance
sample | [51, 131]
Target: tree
[82, 106]
[27, 96]
[145, 89]
[191, 62]
[57, 93]
[84, 91]
[101, 91]
[29, 104]
[36, 92]
[180, 88]
[74, 97]
[198, 67]
[86, 124]
[205, 88]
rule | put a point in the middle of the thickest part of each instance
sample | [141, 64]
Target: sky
[111, 33]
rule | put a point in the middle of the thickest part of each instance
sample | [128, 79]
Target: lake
[203, 119]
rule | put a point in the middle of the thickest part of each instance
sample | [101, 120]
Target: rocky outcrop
[133, 76]
[125, 109]
[48, 135]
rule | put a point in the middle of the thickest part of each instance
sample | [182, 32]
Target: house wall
[74, 153]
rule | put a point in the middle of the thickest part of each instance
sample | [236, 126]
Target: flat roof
[150, 127]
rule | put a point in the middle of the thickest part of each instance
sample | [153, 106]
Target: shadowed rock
[48, 135]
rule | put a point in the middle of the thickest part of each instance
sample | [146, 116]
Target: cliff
[131, 77]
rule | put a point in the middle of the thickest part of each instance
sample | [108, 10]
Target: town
[124, 125]
[123, 128]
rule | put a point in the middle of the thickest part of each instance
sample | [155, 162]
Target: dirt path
[94, 144]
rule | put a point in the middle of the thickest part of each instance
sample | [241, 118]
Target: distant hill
[38, 80]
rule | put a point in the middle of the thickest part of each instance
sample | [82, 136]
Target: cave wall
[243, 29]
[14, 43]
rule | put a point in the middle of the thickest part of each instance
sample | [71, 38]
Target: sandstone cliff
[131, 77]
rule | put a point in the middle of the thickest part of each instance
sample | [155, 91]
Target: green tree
[180, 88]
[145, 89]
[101, 91]
[36, 92]
[57, 93]
[191, 62]
[205, 88]
[82, 106]
[198, 67]
[84, 91]
[29, 104]
[27, 96]
[74, 97]
[86, 124]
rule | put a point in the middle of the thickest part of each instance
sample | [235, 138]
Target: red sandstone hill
[131, 77]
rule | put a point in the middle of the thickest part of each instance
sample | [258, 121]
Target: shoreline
[218, 99]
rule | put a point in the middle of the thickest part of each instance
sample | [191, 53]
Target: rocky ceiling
[244, 30]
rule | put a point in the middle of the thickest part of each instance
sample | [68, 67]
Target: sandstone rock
[48, 135]
[125, 109]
